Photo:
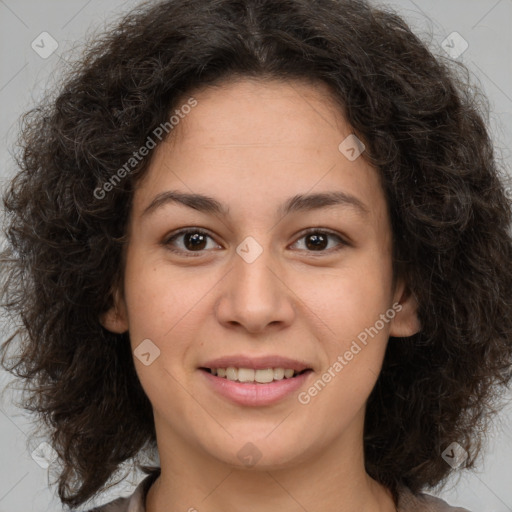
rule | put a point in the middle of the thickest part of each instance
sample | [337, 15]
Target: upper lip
[256, 363]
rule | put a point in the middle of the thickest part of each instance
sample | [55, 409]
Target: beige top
[407, 501]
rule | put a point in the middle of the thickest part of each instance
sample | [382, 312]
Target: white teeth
[250, 375]
[278, 373]
[231, 373]
[264, 376]
[246, 374]
[288, 373]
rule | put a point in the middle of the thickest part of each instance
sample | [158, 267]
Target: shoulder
[135, 502]
[409, 502]
[117, 505]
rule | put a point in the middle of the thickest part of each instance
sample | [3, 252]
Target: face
[258, 276]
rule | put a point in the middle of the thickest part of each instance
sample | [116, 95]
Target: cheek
[356, 338]
[353, 298]
[355, 341]
[154, 300]
[162, 308]
[166, 304]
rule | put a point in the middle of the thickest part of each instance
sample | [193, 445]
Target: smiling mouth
[251, 376]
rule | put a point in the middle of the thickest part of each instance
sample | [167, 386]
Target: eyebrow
[297, 203]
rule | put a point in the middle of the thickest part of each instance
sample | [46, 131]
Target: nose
[255, 295]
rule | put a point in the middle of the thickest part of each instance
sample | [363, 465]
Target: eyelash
[194, 254]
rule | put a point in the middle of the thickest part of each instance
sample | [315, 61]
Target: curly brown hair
[424, 129]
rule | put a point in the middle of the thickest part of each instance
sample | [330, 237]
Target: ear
[116, 318]
[406, 322]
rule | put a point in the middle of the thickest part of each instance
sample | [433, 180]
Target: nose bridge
[252, 275]
[252, 270]
[255, 296]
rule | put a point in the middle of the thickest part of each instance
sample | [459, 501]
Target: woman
[268, 240]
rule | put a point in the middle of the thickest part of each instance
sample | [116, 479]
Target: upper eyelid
[184, 231]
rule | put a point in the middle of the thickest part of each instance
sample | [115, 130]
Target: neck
[331, 479]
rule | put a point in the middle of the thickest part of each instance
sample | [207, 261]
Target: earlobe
[115, 319]
[406, 321]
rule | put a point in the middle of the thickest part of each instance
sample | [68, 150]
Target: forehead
[253, 111]
[254, 143]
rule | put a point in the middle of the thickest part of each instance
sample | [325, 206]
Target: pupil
[197, 239]
[319, 241]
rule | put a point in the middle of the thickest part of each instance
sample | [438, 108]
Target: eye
[317, 240]
[193, 240]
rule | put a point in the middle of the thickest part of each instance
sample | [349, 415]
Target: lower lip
[255, 394]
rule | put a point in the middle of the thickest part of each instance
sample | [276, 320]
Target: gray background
[24, 74]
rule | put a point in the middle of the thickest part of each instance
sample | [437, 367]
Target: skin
[251, 145]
